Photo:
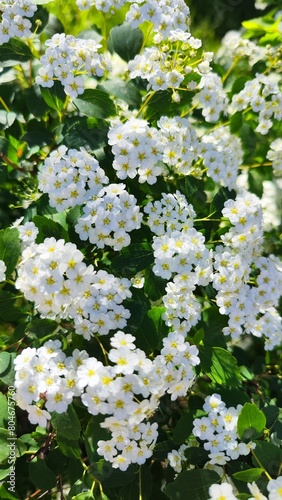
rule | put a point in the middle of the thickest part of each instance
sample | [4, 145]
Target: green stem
[256, 165]
[4, 105]
[261, 466]
[140, 484]
[224, 78]
[146, 102]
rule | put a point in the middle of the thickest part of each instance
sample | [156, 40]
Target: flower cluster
[211, 97]
[275, 156]
[180, 253]
[109, 217]
[219, 431]
[136, 150]
[263, 96]
[234, 46]
[170, 213]
[67, 59]
[222, 155]
[225, 491]
[165, 17]
[101, 5]
[15, 22]
[127, 391]
[179, 144]
[239, 262]
[53, 275]
[160, 67]
[70, 177]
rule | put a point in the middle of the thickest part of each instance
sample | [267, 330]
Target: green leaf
[271, 413]
[132, 259]
[239, 84]
[126, 91]
[5, 360]
[40, 474]
[236, 122]
[40, 328]
[96, 103]
[7, 373]
[126, 41]
[197, 456]
[183, 428]
[8, 310]
[248, 475]
[220, 366]
[4, 448]
[67, 424]
[251, 422]
[84, 132]
[159, 105]
[269, 456]
[49, 228]
[155, 314]
[69, 447]
[6, 495]
[15, 50]
[10, 248]
[10, 446]
[154, 286]
[55, 96]
[192, 484]
[3, 408]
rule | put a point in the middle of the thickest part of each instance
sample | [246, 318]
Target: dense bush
[140, 254]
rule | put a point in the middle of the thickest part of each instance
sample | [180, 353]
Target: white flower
[255, 491]
[223, 491]
[275, 489]
[37, 416]
[3, 269]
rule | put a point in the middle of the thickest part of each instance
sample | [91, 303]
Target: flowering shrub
[140, 259]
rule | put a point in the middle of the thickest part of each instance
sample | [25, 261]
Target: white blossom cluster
[127, 391]
[15, 19]
[170, 213]
[179, 144]
[235, 47]
[238, 265]
[147, 152]
[3, 270]
[150, 152]
[68, 59]
[263, 96]
[222, 154]
[159, 66]
[109, 218]
[165, 16]
[180, 253]
[211, 97]
[275, 156]
[70, 177]
[136, 149]
[225, 491]
[101, 5]
[219, 431]
[53, 275]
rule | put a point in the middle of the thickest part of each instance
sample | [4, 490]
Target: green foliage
[192, 482]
